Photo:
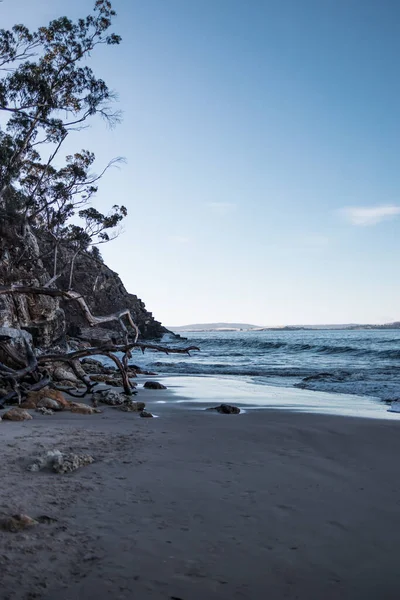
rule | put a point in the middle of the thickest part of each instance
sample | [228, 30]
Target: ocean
[361, 362]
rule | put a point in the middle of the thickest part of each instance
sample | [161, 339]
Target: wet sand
[196, 505]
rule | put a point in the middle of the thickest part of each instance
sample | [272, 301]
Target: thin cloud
[221, 208]
[369, 215]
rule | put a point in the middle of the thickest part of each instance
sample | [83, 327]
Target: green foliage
[46, 92]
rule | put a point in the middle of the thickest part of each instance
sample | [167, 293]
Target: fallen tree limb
[32, 388]
[12, 374]
[109, 350]
[72, 358]
[72, 295]
[15, 377]
[103, 350]
[12, 354]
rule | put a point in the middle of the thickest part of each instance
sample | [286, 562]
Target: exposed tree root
[34, 365]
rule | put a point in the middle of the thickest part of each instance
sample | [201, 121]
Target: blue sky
[262, 141]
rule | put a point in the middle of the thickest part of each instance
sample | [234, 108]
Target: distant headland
[197, 327]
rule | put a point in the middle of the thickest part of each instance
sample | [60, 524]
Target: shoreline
[197, 391]
[196, 505]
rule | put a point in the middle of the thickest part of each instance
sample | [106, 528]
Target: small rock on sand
[60, 462]
[145, 414]
[226, 409]
[17, 523]
[154, 385]
[132, 407]
[44, 411]
[82, 409]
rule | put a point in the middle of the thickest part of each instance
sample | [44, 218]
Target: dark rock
[226, 409]
[106, 379]
[154, 385]
[145, 414]
[50, 320]
[105, 294]
[136, 370]
[110, 397]
[132, 406]
[91, 361]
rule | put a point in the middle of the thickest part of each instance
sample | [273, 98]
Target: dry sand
[201, 506]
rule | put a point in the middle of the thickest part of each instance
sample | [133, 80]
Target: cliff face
[26, 260]
[21, 264]
[105, 294]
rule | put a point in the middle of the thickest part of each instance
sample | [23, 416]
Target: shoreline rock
[226, 409]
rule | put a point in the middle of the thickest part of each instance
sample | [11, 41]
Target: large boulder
[33, 399]
[16, 414]
[154, 385]
[110, 397]
[82, 409]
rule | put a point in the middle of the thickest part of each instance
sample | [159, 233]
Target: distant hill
[214, 327]
[249, 327]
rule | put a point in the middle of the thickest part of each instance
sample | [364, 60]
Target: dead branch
[107, 348]
[12, 354]
[128, 388]
[72, 295]
[15, 375]
[80, 374]
[44, 381]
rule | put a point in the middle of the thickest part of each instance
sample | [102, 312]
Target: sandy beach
[195, 505]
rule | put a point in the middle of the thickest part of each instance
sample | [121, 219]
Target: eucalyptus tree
[48, 91]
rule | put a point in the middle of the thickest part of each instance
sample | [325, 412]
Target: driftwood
[32, 369]
[109, 350]
[72, 295]
[15, 375]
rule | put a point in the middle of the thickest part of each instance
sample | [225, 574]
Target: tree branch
[72, 295]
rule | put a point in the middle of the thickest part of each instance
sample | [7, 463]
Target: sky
[262, 147]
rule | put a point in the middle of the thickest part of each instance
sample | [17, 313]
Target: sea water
[355, 362]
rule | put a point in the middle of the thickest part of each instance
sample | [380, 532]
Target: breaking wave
[362, 362]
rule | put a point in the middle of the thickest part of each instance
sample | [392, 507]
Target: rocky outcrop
[27, 260]
[105, 294]
[21, 264]
[16, 414]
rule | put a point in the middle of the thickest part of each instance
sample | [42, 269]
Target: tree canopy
[48, 91]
